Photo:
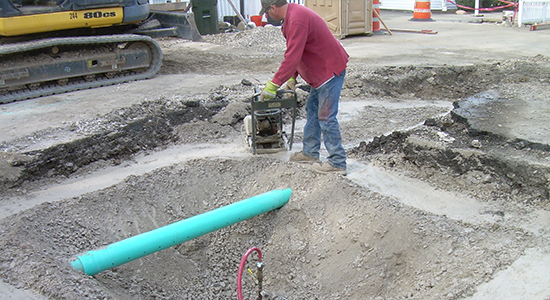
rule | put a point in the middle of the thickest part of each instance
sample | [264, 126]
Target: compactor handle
[281, 94]
[285, 94]
[257, 93]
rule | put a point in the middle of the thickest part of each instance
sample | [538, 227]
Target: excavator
[55, 46]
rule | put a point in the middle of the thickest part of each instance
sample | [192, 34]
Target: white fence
[533, 11]
[408, 5]
[250, 7]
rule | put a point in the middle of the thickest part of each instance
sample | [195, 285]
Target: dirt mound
[444, 149]
[268, 40]
[261, 48]
[379, 247]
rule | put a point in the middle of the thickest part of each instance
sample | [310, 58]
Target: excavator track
[57, 65]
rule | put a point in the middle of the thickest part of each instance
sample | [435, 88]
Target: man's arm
[295, 42]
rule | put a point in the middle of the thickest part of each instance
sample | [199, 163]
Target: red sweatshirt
[312, 51]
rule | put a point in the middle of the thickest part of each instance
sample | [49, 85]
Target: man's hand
[290, 84]
[269, 91]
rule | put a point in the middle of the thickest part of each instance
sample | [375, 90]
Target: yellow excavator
[55, 46]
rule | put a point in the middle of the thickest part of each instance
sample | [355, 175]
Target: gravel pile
[267, 39]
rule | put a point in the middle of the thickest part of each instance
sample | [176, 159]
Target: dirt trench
[152, 124]
[341, 241]
[335, 239]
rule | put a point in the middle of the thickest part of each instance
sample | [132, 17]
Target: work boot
[302, 158]
[326, 168]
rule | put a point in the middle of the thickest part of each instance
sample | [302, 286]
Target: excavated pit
[334, 239]
[369, 235]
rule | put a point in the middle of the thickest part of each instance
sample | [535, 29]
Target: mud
[434, 207]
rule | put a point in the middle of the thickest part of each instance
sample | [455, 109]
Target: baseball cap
[266, 4]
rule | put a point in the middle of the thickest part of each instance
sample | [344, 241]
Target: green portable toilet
[206, 15]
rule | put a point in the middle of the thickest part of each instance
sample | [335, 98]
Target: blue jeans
[322, 108]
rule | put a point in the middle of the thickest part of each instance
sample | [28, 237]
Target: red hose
[241, 267]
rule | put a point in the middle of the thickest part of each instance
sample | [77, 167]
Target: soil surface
[446, 197]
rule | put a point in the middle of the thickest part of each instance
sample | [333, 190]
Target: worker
[319, 58]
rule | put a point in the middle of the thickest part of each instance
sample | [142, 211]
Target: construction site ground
[446, 197]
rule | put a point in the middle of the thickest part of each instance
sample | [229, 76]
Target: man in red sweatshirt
[317, 56]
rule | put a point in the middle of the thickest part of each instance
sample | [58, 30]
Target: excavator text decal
[99, 14]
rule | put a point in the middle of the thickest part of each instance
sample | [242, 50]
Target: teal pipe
[132, 248]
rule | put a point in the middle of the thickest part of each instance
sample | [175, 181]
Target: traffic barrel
[422, 11]
[375, 19]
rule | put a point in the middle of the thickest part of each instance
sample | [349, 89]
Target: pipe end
[77, 265]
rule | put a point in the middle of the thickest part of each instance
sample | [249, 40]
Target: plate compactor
[264, 126]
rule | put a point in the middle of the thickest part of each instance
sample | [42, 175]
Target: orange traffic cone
[375, 19]
[422, 11]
